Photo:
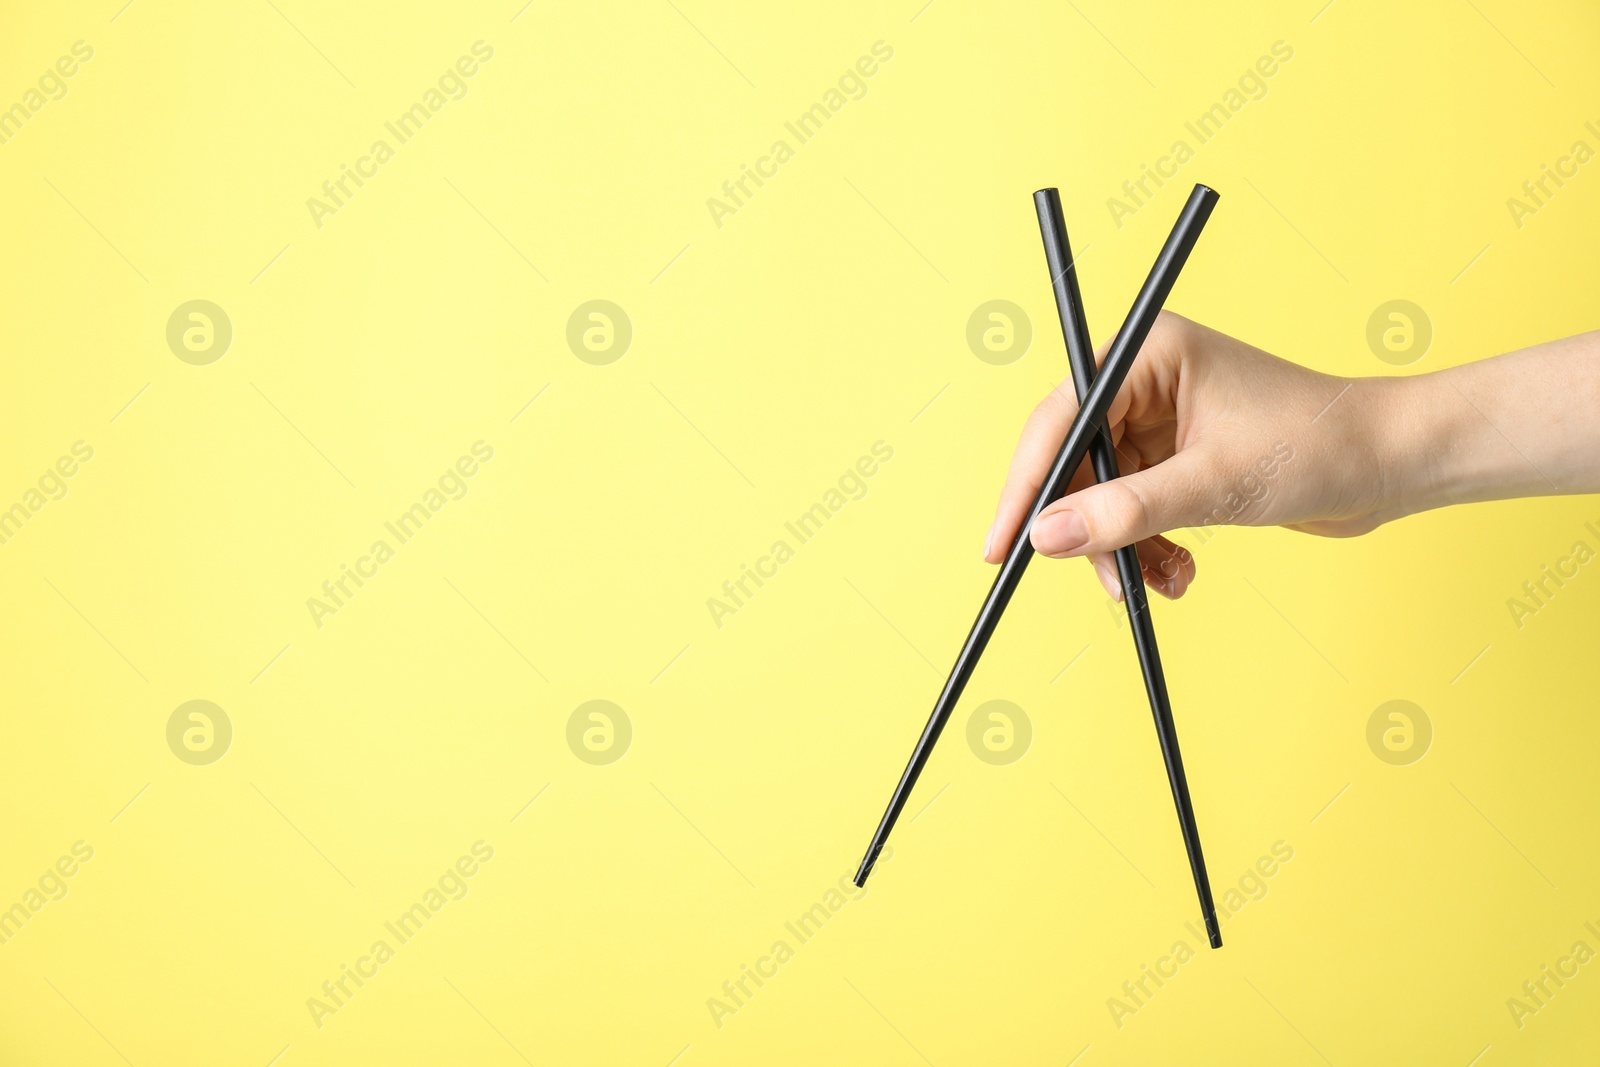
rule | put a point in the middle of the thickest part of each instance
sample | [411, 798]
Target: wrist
[1426, 452]
[1440, 447]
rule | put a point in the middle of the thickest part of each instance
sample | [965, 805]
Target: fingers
[1041, 438]
[1036, 451]
[1105, 569]
[1101, 518]
[1151, 387]
[1168, 568]
[1165, 567]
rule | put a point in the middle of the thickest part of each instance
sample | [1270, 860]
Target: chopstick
[1080, 354]
[1074, 447]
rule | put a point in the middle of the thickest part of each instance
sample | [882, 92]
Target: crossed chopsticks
[1087, 436]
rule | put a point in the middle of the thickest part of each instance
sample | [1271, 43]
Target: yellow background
[768, 355]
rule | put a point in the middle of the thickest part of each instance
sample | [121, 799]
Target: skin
[1203, 423]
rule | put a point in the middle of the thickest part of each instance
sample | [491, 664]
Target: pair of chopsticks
[1087, 436]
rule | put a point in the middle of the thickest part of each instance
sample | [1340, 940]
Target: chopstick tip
[860, 880]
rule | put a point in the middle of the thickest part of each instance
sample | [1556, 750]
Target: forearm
[1523, 424]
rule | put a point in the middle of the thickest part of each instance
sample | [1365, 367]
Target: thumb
[1175, 493]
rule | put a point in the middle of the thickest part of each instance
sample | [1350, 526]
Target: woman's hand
[1212, 431]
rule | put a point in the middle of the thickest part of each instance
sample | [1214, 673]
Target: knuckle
[1057, 404]
[1170, 327]
[1127, 511]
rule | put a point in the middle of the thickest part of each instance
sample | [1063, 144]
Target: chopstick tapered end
[867, 861]
[1213, 931]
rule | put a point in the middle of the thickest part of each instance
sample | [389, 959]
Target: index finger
[1041, 439]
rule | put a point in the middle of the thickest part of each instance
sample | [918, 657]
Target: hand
[1208, 430]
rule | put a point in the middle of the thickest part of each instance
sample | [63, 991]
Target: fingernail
[1109, 579]
[988, 539]
[1060, 533]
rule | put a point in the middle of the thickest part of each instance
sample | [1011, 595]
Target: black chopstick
[1080, 354]
[1119, 360]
